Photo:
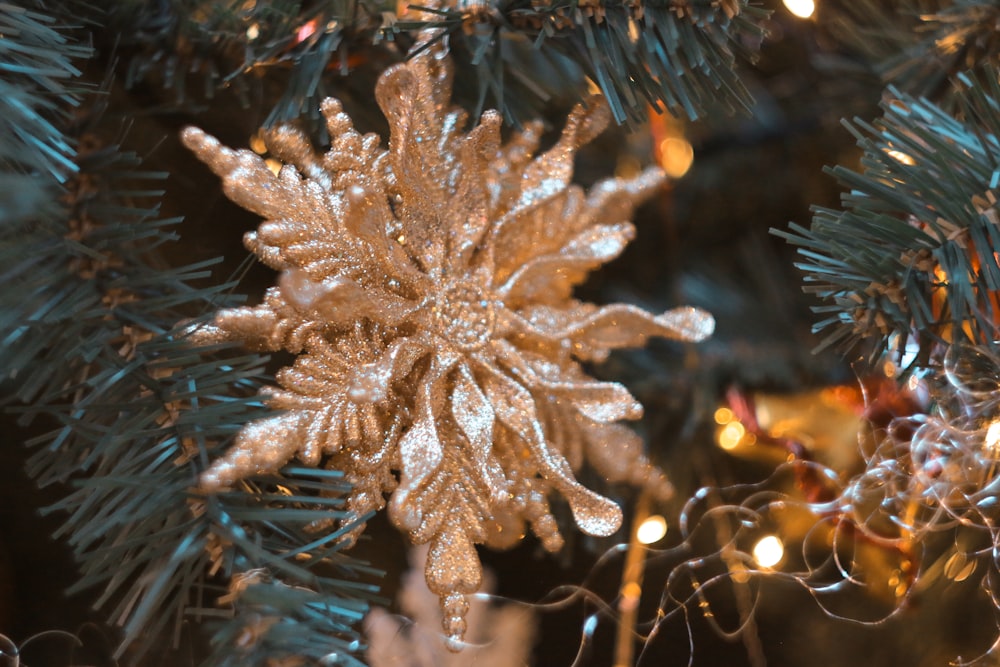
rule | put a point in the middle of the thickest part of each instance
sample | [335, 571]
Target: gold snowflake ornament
[427, 291]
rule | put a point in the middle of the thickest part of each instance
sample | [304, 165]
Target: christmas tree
[490, 300]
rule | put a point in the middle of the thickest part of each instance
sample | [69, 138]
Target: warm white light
[768, 551]
[900, 156]
[676, 156]
[723, 416]
[992, 441]
[633, 31]
[651, 530]
[801, 8]
[731, 435]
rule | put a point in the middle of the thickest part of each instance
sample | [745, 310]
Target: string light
[731, 435]
[723, 416]
[801, 8]
[676, 156]
[671, 149]
[992, 441]
[900, 156]
[633, 31]
[651, 530]
[768, 551]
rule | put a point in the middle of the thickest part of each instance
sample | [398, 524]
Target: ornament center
[465, 316]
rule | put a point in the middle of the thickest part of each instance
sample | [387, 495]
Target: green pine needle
[912, 255]
[38, 57]
[676, 56]
[92, 347]
[38, 70]
[288, 622]
[921, 46]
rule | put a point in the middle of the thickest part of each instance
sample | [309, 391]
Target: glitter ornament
[500, 635]
[426, 289]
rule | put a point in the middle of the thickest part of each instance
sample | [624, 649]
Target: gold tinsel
[426, 289]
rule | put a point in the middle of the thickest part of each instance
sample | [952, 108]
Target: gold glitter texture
[427, 291]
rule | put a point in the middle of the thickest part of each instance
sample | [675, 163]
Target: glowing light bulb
[731, 434]
[801, 8]
[633, 31]
[768, 551]
[676, 156]
[992, 441]
[651, 530]
[723, 416]
[900, 156]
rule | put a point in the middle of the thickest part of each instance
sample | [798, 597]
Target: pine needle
[911, 257]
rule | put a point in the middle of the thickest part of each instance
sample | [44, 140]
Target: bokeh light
[676, 156]
[731, 435]
[768, 551]
[651, 530]
[992, 441]
[801, 8]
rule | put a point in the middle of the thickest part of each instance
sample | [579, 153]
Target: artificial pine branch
[911, 257]
[38, 87]
[37, 90]
[232, 44]
[290, 602]
[920, 46]
[88, 321]
[675, 55]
